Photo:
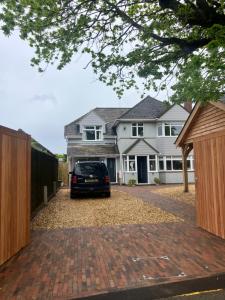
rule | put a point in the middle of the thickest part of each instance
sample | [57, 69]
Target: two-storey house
[135, 143]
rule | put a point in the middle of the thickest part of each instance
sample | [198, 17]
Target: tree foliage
[175, 42]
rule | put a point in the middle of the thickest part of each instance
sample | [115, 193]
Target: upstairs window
[137, 129]
[169, 129]
[92, 133]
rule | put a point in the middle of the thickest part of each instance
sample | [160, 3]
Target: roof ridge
[112, 107]
[147, 97]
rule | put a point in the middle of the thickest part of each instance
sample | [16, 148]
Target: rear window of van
[86, 169]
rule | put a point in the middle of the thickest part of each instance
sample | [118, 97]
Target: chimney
[188, 106]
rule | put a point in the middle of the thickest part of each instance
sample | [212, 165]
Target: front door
[111, 165]
[142, 169]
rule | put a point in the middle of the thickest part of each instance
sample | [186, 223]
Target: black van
[90, 177]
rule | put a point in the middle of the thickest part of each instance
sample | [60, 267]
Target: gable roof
[148, 108]
[107, 114]
[195, 112]
[171, 107]
[137, 142]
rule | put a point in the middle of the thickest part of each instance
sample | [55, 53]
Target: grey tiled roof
[148, 108]
[108, 114]
[92, 150]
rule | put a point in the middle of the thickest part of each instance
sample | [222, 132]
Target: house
[135, 143]
[204, 131]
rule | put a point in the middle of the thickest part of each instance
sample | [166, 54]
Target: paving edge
[167, 289]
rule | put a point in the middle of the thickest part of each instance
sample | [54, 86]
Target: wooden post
[45, 195]
[54, 188]
[185, 172]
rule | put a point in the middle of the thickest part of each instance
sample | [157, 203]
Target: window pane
[89, 127]
[167, 130]
[140, 124]
[98, 135]
[177, 165]
[160, 130]
[98, 127]
[134, 131]
[175, 129]
[151, 156]
[140, 131]
[152, 165]
[131, 157]
[132, 165]
[90, 135]
[161, 165]
[188, 164]
[168, 165]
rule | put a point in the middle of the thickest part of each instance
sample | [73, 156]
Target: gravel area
[176, 192]
[121, 208]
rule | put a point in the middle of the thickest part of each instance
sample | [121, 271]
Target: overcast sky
[41, 104]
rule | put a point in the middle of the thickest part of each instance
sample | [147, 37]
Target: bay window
[174, 163]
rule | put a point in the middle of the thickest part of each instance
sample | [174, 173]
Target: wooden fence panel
[14, 192]
[64, 173]
[210, 188]
[44, 171]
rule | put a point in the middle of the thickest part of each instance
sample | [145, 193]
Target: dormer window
[92, 133]
[137, 129]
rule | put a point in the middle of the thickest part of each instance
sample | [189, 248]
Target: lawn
[176, 192]
[121, 208]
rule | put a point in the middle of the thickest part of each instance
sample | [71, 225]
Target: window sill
[92, 141]
[174, 171]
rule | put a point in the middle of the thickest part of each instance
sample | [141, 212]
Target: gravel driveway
[121, 208]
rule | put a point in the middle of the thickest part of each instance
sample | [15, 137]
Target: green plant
[131, 182]
[157, 180]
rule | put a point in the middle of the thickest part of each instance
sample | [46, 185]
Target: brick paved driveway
[120, 262]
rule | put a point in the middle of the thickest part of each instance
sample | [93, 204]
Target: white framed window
[152, 163]
[92, 133]
[169, 129]
[174, 163]
[137, 129]
[129, 163]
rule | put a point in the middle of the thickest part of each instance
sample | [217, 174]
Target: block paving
[144, 261]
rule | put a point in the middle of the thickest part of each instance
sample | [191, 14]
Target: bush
[131, 182]
[157, 180]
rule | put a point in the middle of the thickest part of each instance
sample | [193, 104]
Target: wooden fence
[63, 173]
[44, 173]
[15, 157]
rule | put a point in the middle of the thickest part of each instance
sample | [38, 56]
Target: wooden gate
[210, 182]
[15, 159]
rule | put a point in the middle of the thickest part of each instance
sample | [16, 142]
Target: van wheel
[108, 195]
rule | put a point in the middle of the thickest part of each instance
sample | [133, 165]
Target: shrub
[157, 180]
[131, 182]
